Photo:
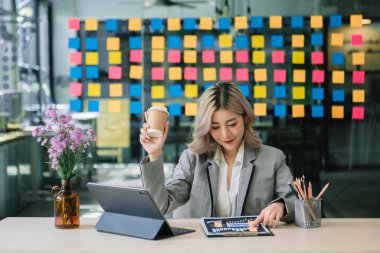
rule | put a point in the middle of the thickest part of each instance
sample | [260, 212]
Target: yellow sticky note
[226, 56]
[298, 57]
[93, 90]
[358, 96]
[298, 40]
[358, 58]
[257, 41]
[260, 109]
[92, 58]
[299, 75]
[191, 109]
[225, 40]
[116, 90]
[113, 44]
[258, 57]
[114, 106]
[356, 20]
[158, 42]
[190, 41]
[114, 57]
[158, 55]
[275, 22]
[191, 90]
[135, 72]
[260, 75]
[316, 21]
[175, 73]
[158, 91]
[91, 24]
[260, 91]
[174, 24]
[157, 104]
[190, 56]
[338, 76]
[209, 74]
[241, 22]
[299, 92]
[337, 39]
[298, 111]
[205, 23]
[337, 112]
[134, 24]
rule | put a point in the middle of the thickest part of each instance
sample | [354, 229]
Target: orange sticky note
[158, 91]
[134, 24]
[356, 20]
[191, 90]
[260, 109]
[191, 109]
[260, 91]
[92, 58]
[337, 39]
[316, 21]
[299, 75]
[275, 22]
[190, 41]
[114, 57]
[135, 72]
[226, 56]
[158, 55]
[158, 42]
[260, 75]
[358, 96]
[258, 57]
[298, 92]
[257, 41]
[116, 90]
[337, 112]
[174, 24]
[93, 90]
[298, 57]
[241, 22]
[91, 24]
[225, 40]
[113, 44]
[114, 106]
[209, 74]
[358, 58]
[205, 23]
[298, 40]
[190, 56]
[175, 73]
[298, 111]
[338, 76]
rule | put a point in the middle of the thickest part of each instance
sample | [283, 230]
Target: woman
[225, 171]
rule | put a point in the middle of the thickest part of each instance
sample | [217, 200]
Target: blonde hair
[223, 95]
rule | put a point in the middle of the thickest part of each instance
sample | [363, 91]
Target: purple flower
[51, 113]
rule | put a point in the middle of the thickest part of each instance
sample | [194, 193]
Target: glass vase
[66, 206]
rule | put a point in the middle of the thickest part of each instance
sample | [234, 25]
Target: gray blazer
[192, 191]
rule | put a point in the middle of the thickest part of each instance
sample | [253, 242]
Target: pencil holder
[308, 213]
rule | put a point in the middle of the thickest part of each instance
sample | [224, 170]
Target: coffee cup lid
[159, 108]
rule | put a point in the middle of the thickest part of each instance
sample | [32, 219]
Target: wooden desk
[335, 235]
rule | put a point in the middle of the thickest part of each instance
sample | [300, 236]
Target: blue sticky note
[189, 24]
[277, 41]
[338, 95]
[256, 22]
[208, 41]
[175, 90]
[156, 24]
[338, 58]
[280, 91]
[207, 85]
[74, 43]
[175, 109]
[241, 42]
[224, 23]
[76, 105]
[280, 110]
[135, 90]
[174, 42]
[76, 72]
[316, 39]
[317, 111]
[296, 22]
[336, 21]
[111, 25]
[135, 42]
[136, 107]
[92, 72]
[91, 43]
[318, 93]
[93, 105]
[244, 89]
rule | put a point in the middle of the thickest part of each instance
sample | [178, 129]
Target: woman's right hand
[153, 145]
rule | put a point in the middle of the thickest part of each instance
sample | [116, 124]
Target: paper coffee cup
[156, 118]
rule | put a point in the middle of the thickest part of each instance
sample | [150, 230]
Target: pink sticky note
[357, 39]
[278, 56]
[136, 56]
[225, 74]
[190, 73]
[357, 112]
[358, 77]
[114, 72]
[75, 89]
[76, 58]
[242, 56]
[318, 76]
[74, 24]
[174, 56]
[242, 74]
[279, 75]
[208, 56]
[317, 58]
[158, 73]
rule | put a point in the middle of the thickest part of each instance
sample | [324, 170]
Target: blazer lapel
[213, 177]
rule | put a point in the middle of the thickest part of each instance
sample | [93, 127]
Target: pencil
[294, 190]
[323, 191]
[310, 191]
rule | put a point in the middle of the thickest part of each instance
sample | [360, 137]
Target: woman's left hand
[271, 215]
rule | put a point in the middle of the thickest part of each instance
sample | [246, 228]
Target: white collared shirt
[226, 201]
